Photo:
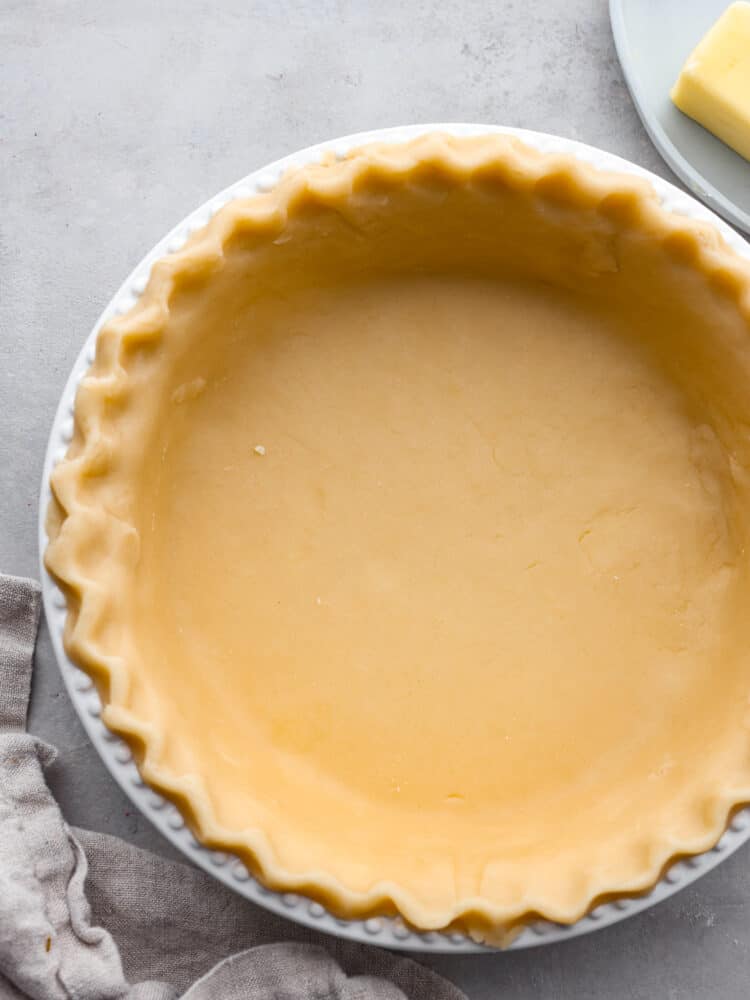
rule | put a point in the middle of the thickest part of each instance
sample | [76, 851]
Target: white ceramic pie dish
[386, 932]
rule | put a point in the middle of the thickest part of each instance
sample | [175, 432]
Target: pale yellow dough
[404, 528]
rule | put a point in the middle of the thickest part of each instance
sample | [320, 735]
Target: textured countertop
[116, 119]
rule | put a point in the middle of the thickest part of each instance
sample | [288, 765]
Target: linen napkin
[85, 916]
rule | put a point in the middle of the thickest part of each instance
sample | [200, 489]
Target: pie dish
[403, 532]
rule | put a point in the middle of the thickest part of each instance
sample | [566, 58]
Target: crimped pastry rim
[316, 884]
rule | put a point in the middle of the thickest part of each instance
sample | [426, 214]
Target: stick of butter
[714, 85]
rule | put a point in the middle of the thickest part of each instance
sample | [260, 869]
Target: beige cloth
[171, 931]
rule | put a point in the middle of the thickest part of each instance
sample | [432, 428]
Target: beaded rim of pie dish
[271, 191]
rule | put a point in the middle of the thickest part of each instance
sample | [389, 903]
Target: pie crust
[403, 531]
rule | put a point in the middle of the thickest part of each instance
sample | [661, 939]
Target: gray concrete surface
[118, 118]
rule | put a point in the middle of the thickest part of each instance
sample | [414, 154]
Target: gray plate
[653, 39]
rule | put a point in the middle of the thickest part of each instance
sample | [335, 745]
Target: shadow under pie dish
[403, 533]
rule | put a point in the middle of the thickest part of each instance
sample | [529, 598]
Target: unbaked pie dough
[404, 531]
